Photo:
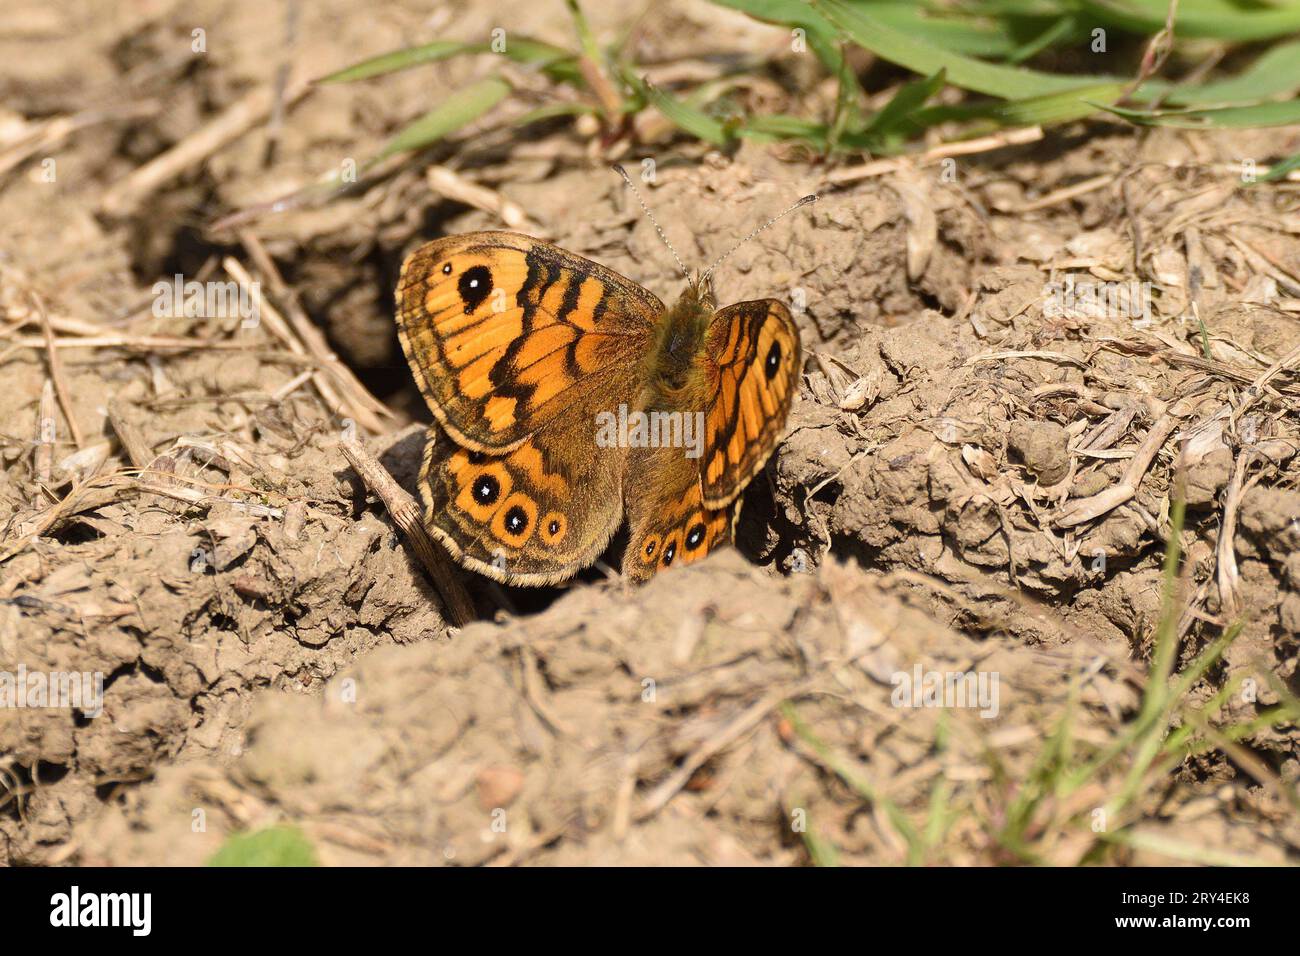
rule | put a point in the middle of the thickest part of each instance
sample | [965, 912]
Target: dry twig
[406, 515]
[127, 194]
[56, 372]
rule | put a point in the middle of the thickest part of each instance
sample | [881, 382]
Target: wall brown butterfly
[521, 348]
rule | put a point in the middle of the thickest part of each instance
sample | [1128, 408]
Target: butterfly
[534, 360]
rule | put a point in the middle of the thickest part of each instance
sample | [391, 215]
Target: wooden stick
[1226, 573]
[56, 372]
[195, 497]
[100, 489]
[406, 515]
[1013, 137]
[311, 336]
[1062, 195]
[454, 186]
[49, 134]
[132, 439]
[126, 194]
[282, 329]
[1086, 509]
[43, 455]
[156, 343]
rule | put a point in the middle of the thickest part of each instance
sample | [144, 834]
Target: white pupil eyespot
[473, 283]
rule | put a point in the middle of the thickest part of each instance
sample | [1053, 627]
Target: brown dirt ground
[934, 501]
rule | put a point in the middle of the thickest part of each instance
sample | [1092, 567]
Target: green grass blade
[694, 121]
[460, 108]
[897, 113]
[1167, 846]
[552, 110]
[559, 61]
[1030, 111]
[1227, 117]
[1056, 31]
[926, 58]
[820, 32]
[1275, 73]
[847, 93]
[1212, 19]
[845, 770]
[397, 60]
[778, 127]
[992, 37]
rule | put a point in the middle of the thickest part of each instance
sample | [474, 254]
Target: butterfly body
[672, 368]
[534, 361]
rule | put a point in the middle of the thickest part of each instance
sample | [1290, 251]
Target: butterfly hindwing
[669, 524]
[503, 330]
[752, 363]
[535, 515]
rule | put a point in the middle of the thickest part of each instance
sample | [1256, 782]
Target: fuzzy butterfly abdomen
[672, 367]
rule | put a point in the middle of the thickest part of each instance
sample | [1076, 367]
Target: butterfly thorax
[673, 362]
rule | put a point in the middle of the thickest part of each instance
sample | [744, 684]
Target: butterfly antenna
[651, 216]
[771, 222]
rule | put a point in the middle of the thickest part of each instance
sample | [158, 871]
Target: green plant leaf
[274, 846]
[1276, 72]
[1213, 19]
[903, 105]
[924, 57]
[1280, 170]
[1055, 32]
[460, 108]
[694, 121]
[819, 31]
[553, 110]
[1030, 111]
[561, 63]
[397, 60]
[1227, 117]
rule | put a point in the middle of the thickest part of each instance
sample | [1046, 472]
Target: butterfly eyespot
[695, 537]
[670, 552]
[446, 269]
[474, 285]
[554, 526]
[649, 548]
[773, 360]
[516, 520]
[486, 489]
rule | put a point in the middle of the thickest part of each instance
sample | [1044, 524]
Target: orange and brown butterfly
[525, 352]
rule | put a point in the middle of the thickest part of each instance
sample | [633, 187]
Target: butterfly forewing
[504, 330]
[752, 363]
